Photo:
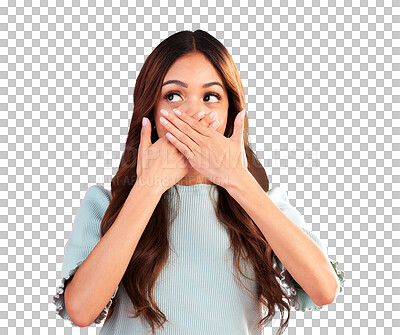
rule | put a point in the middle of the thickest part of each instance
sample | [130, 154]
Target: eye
[215, 95]
[170, 94]
[211, 94]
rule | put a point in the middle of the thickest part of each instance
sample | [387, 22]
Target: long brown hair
[151, 254]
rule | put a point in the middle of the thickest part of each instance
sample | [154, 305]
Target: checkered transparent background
[322, 82]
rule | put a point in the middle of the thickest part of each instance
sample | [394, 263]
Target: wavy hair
[151, 254]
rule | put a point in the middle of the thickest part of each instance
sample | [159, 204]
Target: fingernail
[200, 114]
[164, 112]
[212, 115]
[243, 114]
[177, 112]
[144, 121]
[163, 121]
[215, 123]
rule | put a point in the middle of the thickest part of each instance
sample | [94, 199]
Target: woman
[190, 238]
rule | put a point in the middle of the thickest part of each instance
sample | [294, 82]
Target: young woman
[190, 239]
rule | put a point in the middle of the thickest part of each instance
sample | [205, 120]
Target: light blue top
[196, 290]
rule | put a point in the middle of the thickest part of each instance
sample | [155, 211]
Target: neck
[192, 180]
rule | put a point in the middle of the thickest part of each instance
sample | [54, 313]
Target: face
[188, 95]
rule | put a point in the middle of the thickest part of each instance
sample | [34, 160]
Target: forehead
[194, 69]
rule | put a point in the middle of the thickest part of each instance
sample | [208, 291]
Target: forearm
[95, 281]
[300, 255]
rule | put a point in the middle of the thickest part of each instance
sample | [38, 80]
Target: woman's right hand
[161, 165]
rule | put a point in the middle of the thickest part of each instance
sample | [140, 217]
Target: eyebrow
[181, 83]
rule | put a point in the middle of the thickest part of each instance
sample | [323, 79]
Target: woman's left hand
[220, 159]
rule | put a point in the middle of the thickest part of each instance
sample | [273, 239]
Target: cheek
[222, 126]
[157, 121]
[161, 130]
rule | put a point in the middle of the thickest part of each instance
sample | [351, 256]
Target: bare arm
[86, 295]
[300, 255]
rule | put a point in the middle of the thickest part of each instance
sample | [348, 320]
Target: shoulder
[95, 202]
[98, 192]
[89, 216]
[278, 196]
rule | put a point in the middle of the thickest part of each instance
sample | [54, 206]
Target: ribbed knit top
[196, 290]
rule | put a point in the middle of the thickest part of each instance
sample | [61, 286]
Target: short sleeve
[302, 300]
[83, 238]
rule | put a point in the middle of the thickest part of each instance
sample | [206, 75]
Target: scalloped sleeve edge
[302, 301]
[59, 301]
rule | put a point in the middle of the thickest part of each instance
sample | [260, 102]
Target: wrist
[238, 181]
[151, 188]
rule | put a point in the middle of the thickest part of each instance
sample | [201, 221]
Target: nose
[194, 113]
[192, 108]
[193, 105]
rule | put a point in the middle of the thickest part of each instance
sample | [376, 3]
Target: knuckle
[204, 123]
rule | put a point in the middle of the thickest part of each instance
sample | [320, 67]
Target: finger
[209, 119]
[183, 149]
[198, 116]
[183, 120]
[238, 127]
[145, 135]
[180, 130]
[245, 159]
[214, 125]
